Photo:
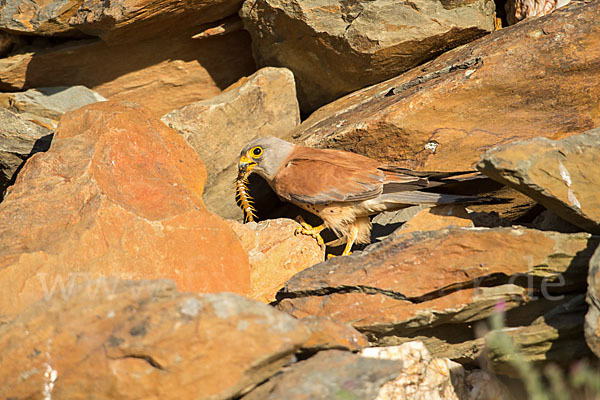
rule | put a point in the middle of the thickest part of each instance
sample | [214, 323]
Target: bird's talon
[306, 229]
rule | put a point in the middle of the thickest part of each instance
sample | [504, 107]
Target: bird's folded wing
[316, 181]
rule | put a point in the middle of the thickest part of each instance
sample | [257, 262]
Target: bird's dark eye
[256, 152]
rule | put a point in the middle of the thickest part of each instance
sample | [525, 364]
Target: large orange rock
[536, 78]
[161, 73]
[119, 194]
[144, 340]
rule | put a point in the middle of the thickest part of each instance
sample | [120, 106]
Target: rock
[372, 40]
[162, 73]
[275, 254]
[484, 386]
[592, 318]
[123, 20]
[332, 374]
[49, 103]
[548, 221]
[436, 218]
[422, 376]
[534, 79]
[20, 139]
[518, 10]
[144, 339]
[264, 104]
[556, 334]
[554, 173]
[119, 194]
[328, 334]
[385, 293]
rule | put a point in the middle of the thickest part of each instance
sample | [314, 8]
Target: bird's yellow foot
[306, 229]
[330, 256]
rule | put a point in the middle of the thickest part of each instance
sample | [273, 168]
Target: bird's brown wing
[320, 176]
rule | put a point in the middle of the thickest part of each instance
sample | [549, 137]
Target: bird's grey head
[264, 156]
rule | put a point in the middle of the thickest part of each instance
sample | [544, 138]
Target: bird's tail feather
[416, 197]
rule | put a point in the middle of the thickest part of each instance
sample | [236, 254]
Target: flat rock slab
[263, 104]
[117, 194]
[162, 73]
[435, 285]
[50, 102]
[335, 47]
[141, 340]
[561, 174]
[536, 78]
[329, 375]
[124, 20]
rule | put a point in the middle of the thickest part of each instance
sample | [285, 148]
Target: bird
[344, 189]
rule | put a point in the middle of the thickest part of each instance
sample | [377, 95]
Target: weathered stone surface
[422, 376]
[120, 194]
[433, 286]
[436, 218]
[144, 340]
[329, 375]
[592, 318]
[558, 174]
[264, 104]
[276, 254]
[49, 102]
[19, 139]
[162, 73]
[538, 78]
[372, 40]
[328, 334]
[518, 10]
[110, 20]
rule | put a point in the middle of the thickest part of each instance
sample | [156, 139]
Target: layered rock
[328, 375]
[558, 174]
[328, 334]
[19, 139]
[373, 41]
[162, 73]
[385, 293]
[538, 78]
[123, 20]
[133, 340]
[275, 254]
[263, 104]
[119, 194]
[49, 103]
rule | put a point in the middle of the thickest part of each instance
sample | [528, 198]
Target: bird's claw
[306, 229]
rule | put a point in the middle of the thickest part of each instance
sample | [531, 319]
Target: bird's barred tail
[417, 197]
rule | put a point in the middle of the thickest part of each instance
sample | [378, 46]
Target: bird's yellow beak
[246, 164]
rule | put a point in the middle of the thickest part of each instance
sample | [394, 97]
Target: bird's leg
[349, 242]
[306, 229]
